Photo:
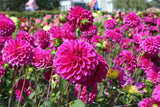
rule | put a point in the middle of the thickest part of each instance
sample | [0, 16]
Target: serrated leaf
[77, 103]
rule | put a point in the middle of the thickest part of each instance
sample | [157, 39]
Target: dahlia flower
[2, 72]
[124, 43]
[154, 75]
[137, 38]
[158, 22]
[17, 52]
[77, 15]
[100, 72]
[141, 28]
[127, 59]
[48, 16]
[25, 36]
[3, 39]
[156, 93]
[55, 32]
[42, 58]
[113, 35]
[7, 26]
[68, 32]
[90, 32]
[148, 102]
[132, 20]
[38, 21]
[76, 61]
[110, 24]
[150, 46]
[28, 88]
[1, 61]
[41, 39]
[84, 93]
[153, 30]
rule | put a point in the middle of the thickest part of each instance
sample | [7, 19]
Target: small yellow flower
[112, 74]
[155, 105]
[131, 89]
[46, 28]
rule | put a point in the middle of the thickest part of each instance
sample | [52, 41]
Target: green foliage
[129, 5]
[77, 103]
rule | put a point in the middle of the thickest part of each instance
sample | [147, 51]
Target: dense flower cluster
[110, 24]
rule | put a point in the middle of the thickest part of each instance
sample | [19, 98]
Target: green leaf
[49, 104]
[77, 103]
[62, 84]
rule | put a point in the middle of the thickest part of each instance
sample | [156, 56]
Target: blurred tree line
[19, 5]
[134, 5]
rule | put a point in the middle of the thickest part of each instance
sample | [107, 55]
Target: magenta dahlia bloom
[156, 93]
[114, 35]
[67, 32]
[7, 26]
[145, 63]
[150, 21]
[25, 36]
[132, 20]
[77, 15]
[148, 102]
[96, 39]
[3, 39]
[76, 61]
[154, 75]
[2, 72]
[42, 58]
[127, 59]
[137, 38]
[55, 32]
[84, 93]
[100, 73]
[41, 39]
[150, 46]
[125, 43]
[153, 30]
[110, 24]
[17, 52]
[28, 88]
[158, 22]
[141, 28]
[89, 33]
[1, 60]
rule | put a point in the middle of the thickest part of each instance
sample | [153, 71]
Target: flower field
[80, 59]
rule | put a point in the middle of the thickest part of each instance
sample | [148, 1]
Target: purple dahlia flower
[110, 24]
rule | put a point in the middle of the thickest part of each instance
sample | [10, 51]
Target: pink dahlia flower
[100, 73]
[141, 28]
[96, 39]
[158, 22]
[145, 62]
[25, 36]
[84, 93]
[38, 21]
[127, 59]
[1, 60]
[125, 43]
[7, 26]
[55, 32]
[148, 102]
[156, 93]
[76, 61]
[114, 35]
[132, 20]
[48, 16]
[150, 21]
[28, 88]
[153, 30]
[110, 24]
[137, 38]
[68, 32]
[89, 33]
[3, 39]
[42, 58]
[2, 72]
[17, 52]
[154, 75]
[41, 39]
[150, 46]
[78, 14]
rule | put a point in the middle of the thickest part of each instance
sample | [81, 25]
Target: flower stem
[87, 99]
[10, 98]
[68, 95]
[22, 89]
